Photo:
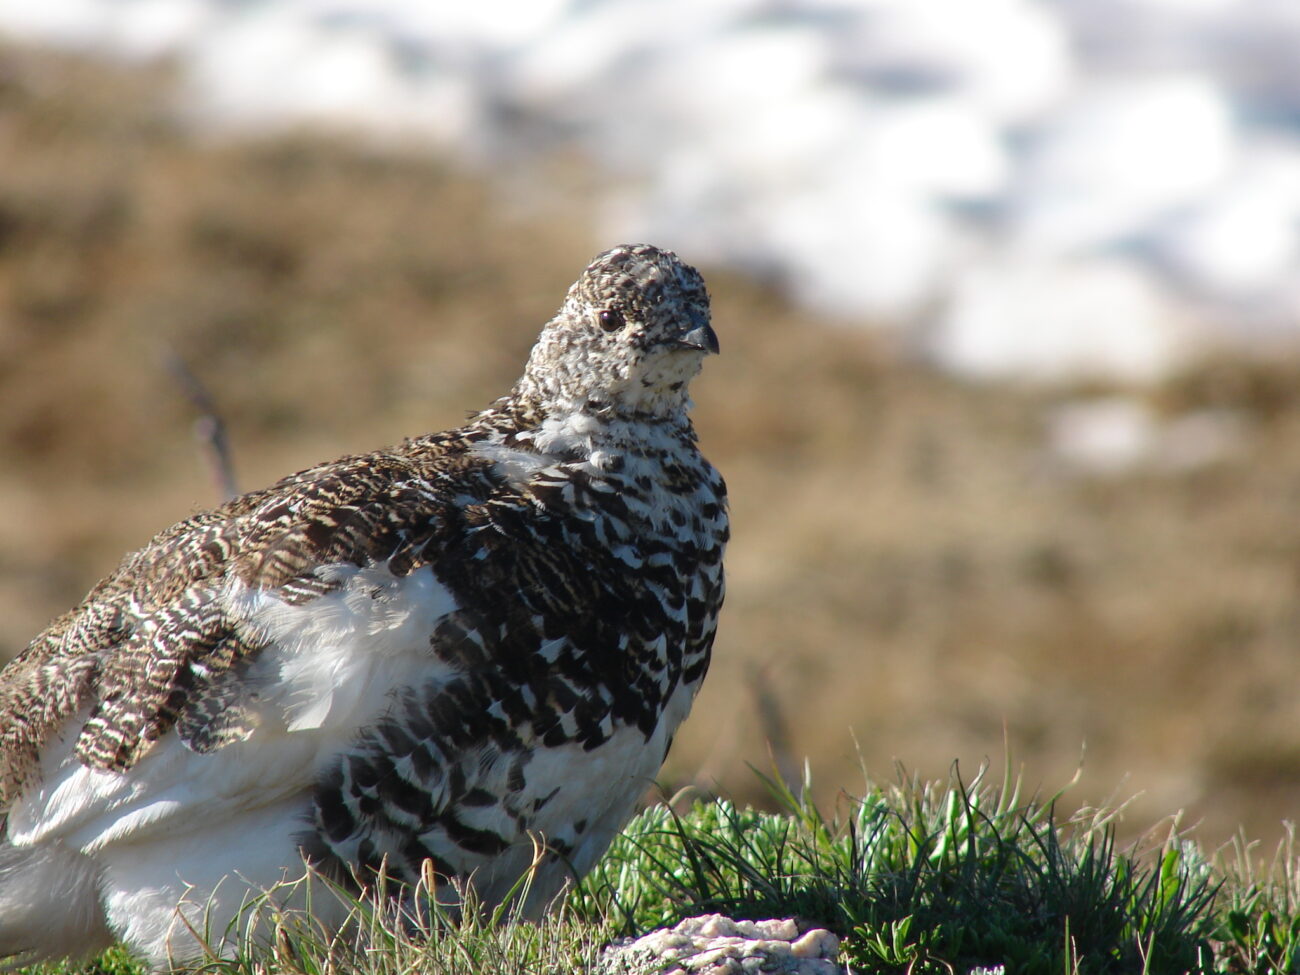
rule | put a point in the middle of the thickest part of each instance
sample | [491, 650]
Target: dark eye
[611, 319]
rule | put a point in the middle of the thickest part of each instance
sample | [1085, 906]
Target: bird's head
[632, 333]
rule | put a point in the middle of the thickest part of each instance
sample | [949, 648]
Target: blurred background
[1008, 293]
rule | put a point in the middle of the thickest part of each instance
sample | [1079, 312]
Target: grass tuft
[920, 877]
[1258, 923]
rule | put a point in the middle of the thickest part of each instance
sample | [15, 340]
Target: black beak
[702, 337]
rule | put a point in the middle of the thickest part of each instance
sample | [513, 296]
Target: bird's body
[436, 652]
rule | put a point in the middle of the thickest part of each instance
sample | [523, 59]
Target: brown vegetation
[909, 568]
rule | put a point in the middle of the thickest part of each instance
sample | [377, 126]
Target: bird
[462, 657]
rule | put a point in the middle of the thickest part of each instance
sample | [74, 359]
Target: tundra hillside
[913, 575]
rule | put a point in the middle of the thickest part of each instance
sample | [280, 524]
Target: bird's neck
[601, 436]
[631, 402]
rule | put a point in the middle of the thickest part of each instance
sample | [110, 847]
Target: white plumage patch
[160, 894]
[337, 657]
[180, 820]
[49, 903]
[323, 677]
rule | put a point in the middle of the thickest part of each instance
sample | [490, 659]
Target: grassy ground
[959, 876]
[912, 579]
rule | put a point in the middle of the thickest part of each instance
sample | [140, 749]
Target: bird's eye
[611, 319]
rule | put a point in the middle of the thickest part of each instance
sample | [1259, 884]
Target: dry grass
[907, 566]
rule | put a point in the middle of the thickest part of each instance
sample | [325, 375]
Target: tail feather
[49, 905]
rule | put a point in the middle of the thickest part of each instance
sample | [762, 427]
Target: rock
[714, 944]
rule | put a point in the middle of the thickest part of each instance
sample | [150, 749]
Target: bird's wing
[168, 639]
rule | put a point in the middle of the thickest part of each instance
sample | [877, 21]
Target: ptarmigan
[433, 652]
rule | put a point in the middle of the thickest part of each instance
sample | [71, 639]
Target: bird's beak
[701, 337]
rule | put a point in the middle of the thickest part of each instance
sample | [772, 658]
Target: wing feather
[154, 643]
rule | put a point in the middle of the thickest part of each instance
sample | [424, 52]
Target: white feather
[160, 894]
[329, 670]
[338, 656]
[49, 904]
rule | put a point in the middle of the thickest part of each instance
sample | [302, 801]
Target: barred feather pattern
[572, 537]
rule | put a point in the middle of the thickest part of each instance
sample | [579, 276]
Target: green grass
[959, 876]
[922, 878]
